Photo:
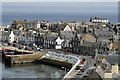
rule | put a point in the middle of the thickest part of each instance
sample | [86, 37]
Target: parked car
[5, 44]
[82, 70]
[79, 73]
[78, 67]
[86, 75]
[58, 52]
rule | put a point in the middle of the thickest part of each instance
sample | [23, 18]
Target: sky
[59, 8]
[59, 0]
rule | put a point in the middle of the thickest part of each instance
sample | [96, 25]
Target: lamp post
[65, 69]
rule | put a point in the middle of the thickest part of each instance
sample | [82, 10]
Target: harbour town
[84, 49]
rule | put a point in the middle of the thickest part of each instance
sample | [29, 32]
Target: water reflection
[32, 71]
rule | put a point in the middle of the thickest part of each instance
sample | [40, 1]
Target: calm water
[31, 71]
[7, 19]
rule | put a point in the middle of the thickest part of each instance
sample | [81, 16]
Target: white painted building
[67, 28]
[2, 28]
[11, 37]
[59, 43]
[99, 20]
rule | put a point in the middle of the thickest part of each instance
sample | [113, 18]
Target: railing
[68, 58]
[64, 57]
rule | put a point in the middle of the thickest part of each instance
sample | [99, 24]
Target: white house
[2, 28]
[11, 37]
[99, 20]
[59, 43]
[67, 28]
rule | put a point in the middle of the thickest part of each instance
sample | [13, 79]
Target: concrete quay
[59, 59]
[45, 57]
[10, 60]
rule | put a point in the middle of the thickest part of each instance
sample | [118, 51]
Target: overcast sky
[59, 0]
[60, 8]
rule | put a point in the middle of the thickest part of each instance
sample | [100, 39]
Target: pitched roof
[115, 76]
[51, 36]
[5, 33]
[113, 58]
[68, 35]
[90, 44]
[61, 26]
[100, 71]
[94, 75]
[17, 32]
[103, 33]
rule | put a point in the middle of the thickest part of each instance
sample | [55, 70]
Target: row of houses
[72, 25]
[76, 43]
[108, 66]
[83, 38]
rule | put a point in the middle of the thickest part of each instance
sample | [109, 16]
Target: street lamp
[65, 69]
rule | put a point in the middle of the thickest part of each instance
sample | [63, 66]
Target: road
[89, 64]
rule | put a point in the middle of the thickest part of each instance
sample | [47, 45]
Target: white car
[79, 73]
[5, 44]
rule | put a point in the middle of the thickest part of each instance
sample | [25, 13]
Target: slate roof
[66, 35]
[103, 39]
[100, 71]
[62, 26]
[95, 44]
[104, 33]
[94, 75]
[90, 44]
[51, 36]
[115, 76]
[5, 33]
[113, 58]
[17, 32]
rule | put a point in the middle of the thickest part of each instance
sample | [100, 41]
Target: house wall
[89, 38]
[11, 37]
[108, 75]
[115, 68]
[67, 28]
[116, 45]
